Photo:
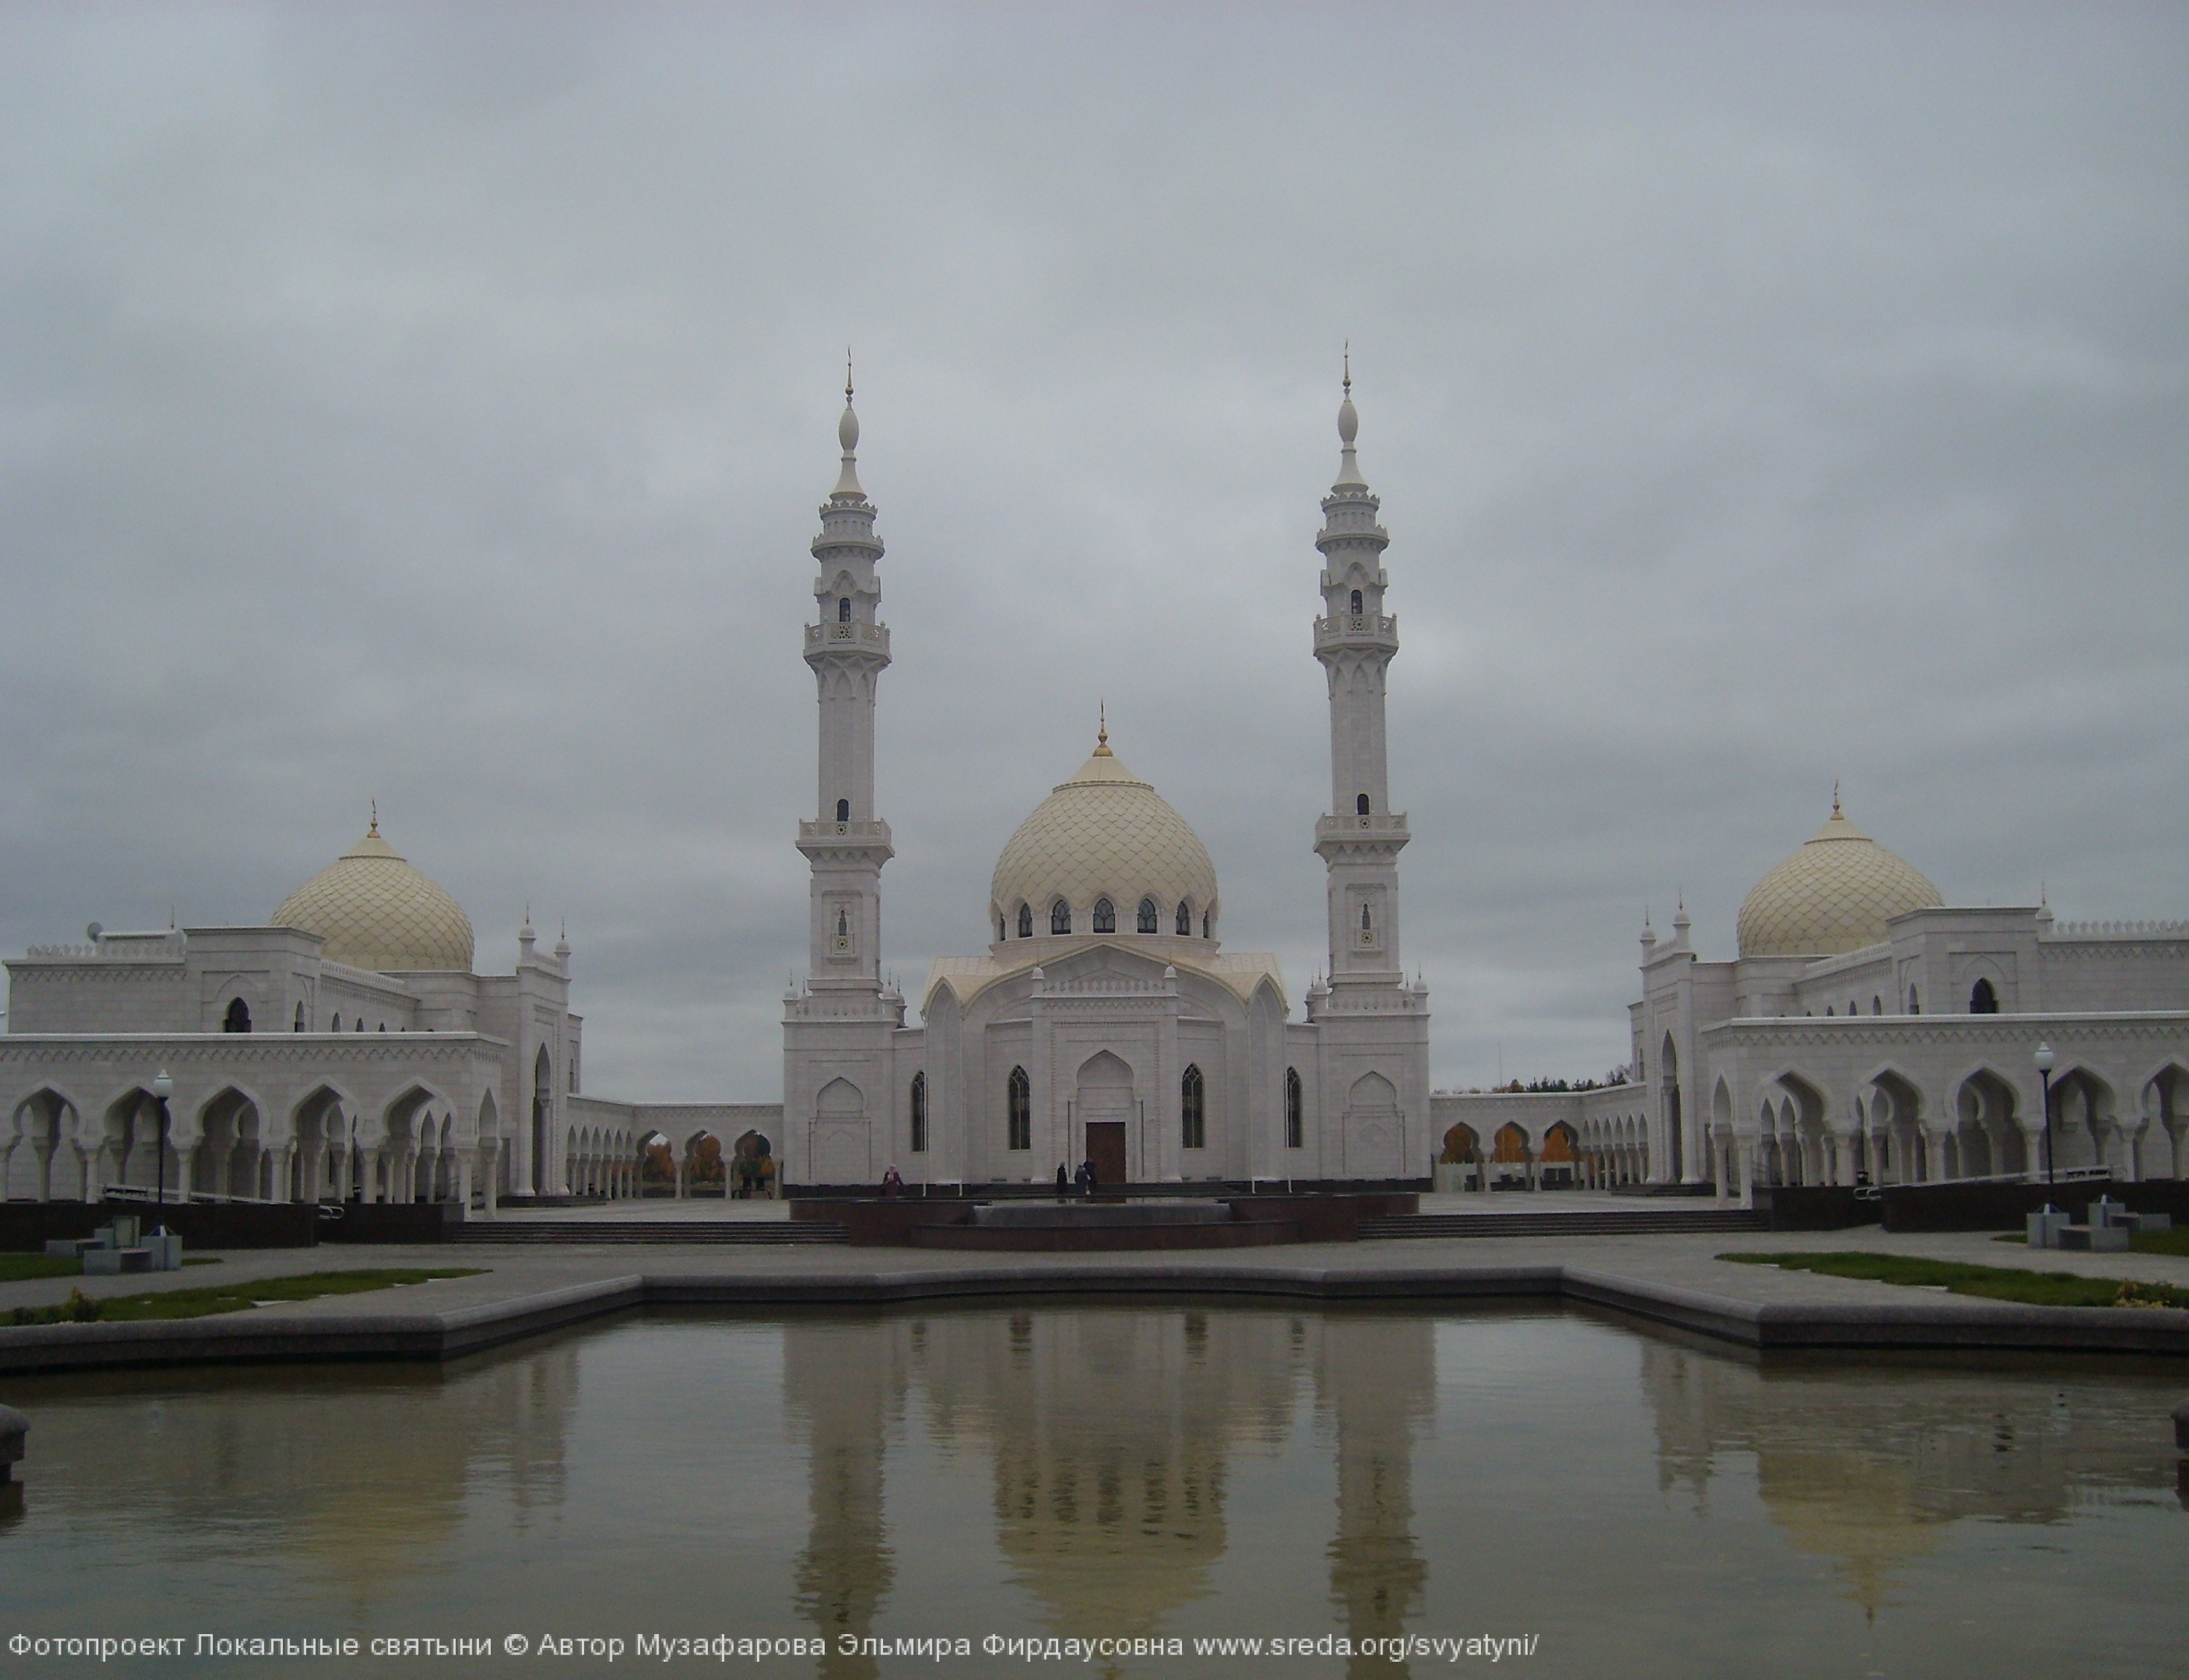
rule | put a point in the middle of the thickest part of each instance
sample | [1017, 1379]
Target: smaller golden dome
[375, 912]
[1833, 896]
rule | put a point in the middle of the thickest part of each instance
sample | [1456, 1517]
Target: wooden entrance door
[1105, 1148]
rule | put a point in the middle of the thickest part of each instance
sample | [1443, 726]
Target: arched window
[1982, 1000]
[843, 609]
[1295, 1110]
[1915, 1001]
[1002, 930]
[920, 1114]
[1208, 924]
[358, 1026]
[1019, 1109]
[1357, 600]
[843, 810]
[1828, 1011]
[1105, 916]
[338, 1025]
[238, 1018]
[1151, 918]
[1877, 1005]
[1361, 805]
[843, 924]
[1193, 1112]
[299, 1027]
[1025, 921]
[1366, 924]
[1185, 920]
[1059, 917]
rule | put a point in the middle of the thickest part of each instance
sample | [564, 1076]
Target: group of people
[1084, 1180]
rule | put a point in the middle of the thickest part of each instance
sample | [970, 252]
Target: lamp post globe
[162, 1089]
[2045, 1059]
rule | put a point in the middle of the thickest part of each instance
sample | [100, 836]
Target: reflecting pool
[1119, 1471]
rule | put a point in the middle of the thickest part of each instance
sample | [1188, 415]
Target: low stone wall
[28, 1226]
[877, 1221]
[2003, 1207]
[1816, 1207]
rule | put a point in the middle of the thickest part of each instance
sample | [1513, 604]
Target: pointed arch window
[1018, 1110]
[843, 924]
[1877, 1006]
[1151, 918]
[1059, 917]
[1983, 1000]
[1367, 926]
[920, 1114]
[1105, 916]
[299, 1027]
[1295, 1110]
[238, 1018]
[1356, 600]
[843, 609]
[338, 1024]
[1192, 1111]
[1915, 1001]
[1025, 921]
[1185, 920]
[1208, 924]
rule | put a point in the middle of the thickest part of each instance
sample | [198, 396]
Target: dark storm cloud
[433, 404]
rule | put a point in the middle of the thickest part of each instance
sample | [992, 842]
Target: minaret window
[920, 1114]
[1059, 917]
[1019, 1109]
[843, 926]
[843, 609]
[1151, 918]
[843, 810]
[1185, 920]
[1025, 921]
[1367, 926]
[1193, 1110]
[1361, 805]
[1105, 916]
[1295, 1105]
[1356, 601]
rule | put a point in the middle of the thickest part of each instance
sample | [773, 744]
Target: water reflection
[1867, 1467]
[1108, 1434]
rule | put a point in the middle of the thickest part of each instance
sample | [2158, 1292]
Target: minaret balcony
[1352, 839]
[844, 843]
[1357, 630]
[848, 639]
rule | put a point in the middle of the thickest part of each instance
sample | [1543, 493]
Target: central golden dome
[1104, 835]
[375, 912]
[1833, 896]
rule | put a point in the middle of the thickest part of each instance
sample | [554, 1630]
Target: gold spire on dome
[1102, 730]
[373, 829]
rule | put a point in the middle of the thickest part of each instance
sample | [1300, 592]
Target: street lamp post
[2045, 1059]
[162, 1089]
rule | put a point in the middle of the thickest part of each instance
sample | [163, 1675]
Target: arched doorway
[1510, 1156]
[705, 1172]
[657, 1166]
[543, 1097]
[1675, 1145]
[752, 1167]
[1105, 1105]
[1462, 1149]
[1557, 1165]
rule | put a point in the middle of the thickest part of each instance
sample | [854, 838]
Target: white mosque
[1866, 1029]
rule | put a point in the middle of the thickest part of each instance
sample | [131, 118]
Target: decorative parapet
[848, 639]
[2119, 930]
[1356, 630]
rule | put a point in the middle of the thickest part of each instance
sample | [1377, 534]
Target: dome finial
[1836, 795]
[1102, 730]
[1348, 428]
[847, 436]
[373, 829]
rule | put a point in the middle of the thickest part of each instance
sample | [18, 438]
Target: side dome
[1105, 834]
[375, 912]
[1833, 896]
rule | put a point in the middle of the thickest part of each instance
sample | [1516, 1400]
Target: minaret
[1355, 640]
[848, 649]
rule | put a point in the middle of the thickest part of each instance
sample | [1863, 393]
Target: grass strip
[225, 1297]
[22, 1267]
[1995, 1283]
[2175, 1241]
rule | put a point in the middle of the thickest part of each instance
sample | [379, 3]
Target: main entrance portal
[1105, 1148]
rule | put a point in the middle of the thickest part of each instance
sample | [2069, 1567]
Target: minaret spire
[1356, 641]
[848, 648]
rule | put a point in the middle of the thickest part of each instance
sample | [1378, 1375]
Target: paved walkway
[1678, 1261]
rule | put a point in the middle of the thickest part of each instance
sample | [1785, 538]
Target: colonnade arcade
[1894, 1128]
[328, 1146]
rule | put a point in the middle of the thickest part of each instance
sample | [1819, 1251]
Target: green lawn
[20, 1268]
[226, 1298]
[1997, 1283]
[2175, 1241]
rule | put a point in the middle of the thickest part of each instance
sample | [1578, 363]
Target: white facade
[1871, 1034]
[1106, 1021]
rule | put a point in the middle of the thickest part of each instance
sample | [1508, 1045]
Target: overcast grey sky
[432, 403]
